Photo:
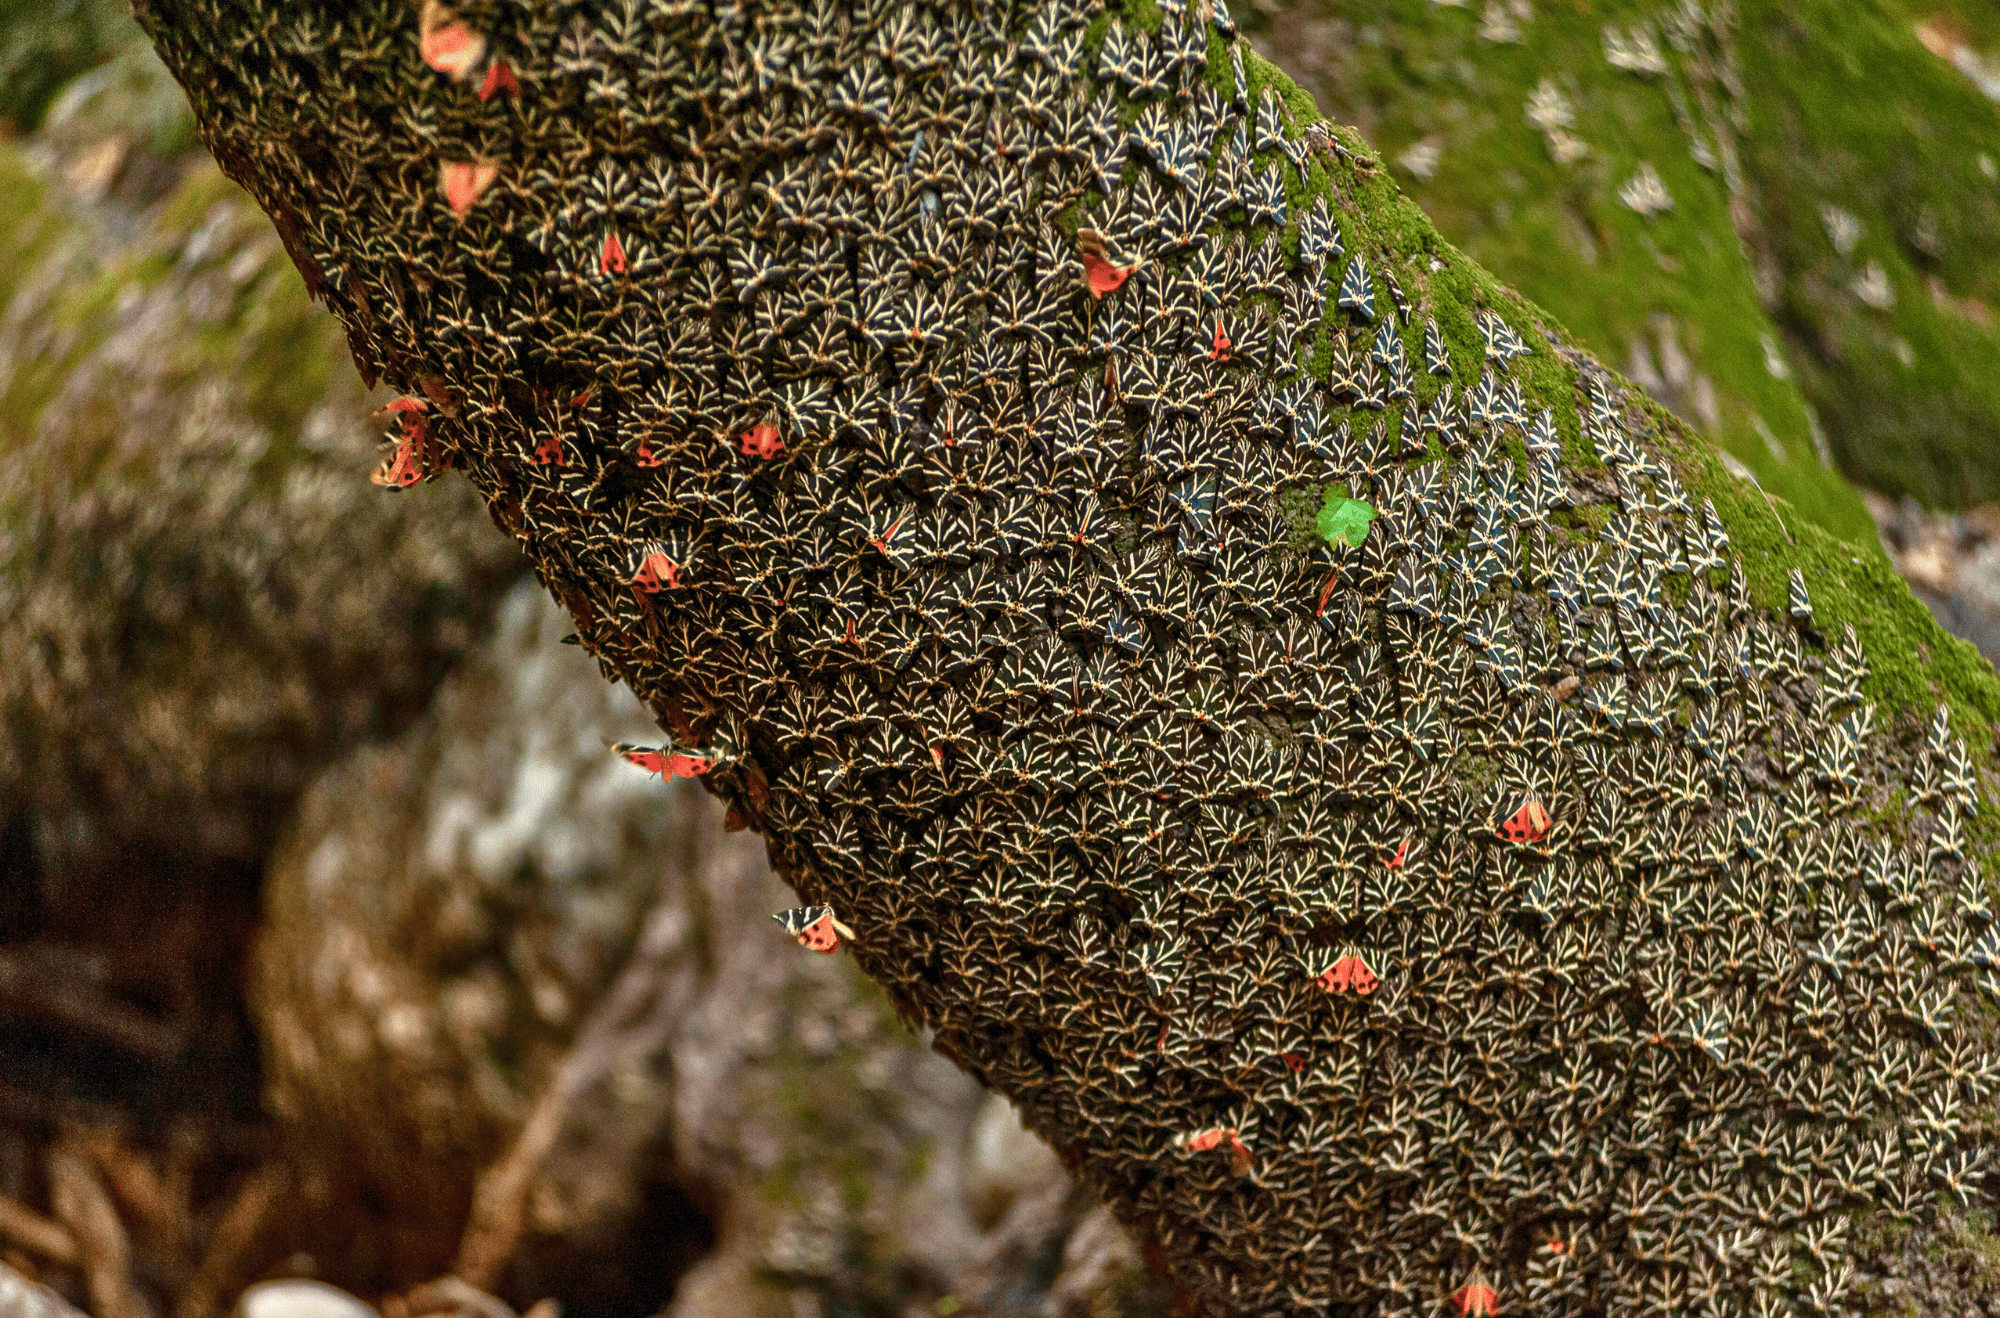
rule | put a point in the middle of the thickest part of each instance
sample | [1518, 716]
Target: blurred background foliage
[314, 871]
[44, 44]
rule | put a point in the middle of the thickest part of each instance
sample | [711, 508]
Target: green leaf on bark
[1343, 520]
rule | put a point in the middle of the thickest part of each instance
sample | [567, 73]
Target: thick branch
[1367, 785]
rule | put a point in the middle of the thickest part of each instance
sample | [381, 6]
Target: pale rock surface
[21, 1298]
[292, 1298]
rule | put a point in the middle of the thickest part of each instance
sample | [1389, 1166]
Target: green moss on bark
[1413, 72]
[1915, 664]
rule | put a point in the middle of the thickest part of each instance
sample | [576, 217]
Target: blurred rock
[442, 916]
[1952, 562]
[202, 600]
[300, 1299]
[453, 912]
[1005, 1161]
[21, 1298]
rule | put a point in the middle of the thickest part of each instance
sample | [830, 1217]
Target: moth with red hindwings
[656, 568]
[446, 43]
[1100, 273]
[1530, 824]
[1476, 1299]
[762, 441]
[499, 78]
[413, 459]
[1350, 970]
[816, 927]
[400, 469]
[664, 760]
[1216, 1137]
[464, 182]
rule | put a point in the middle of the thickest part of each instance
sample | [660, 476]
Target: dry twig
[71, 991]
[82, 1204]
[159, 1207]
[37, 1234]
[632, 1022]
[222, 1266]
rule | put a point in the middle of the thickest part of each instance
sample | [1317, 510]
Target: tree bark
[1548, 888]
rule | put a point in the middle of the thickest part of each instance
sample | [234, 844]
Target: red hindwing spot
[499, 78]
[446, 44]
[820, 937]
[400, 470]
[762, 441]
[1476, 1299]
[1531, 823]
[1350, 971]
[464, 182]
[1103, 276]
[651, 761]
[670, 763]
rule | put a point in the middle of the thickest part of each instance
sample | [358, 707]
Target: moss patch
[46, 43]
[207, 259]
[1829, 106]
[1849, 113]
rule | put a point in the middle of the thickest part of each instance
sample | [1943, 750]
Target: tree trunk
[1552, 892]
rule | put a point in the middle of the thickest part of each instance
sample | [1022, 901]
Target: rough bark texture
[924, 408]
